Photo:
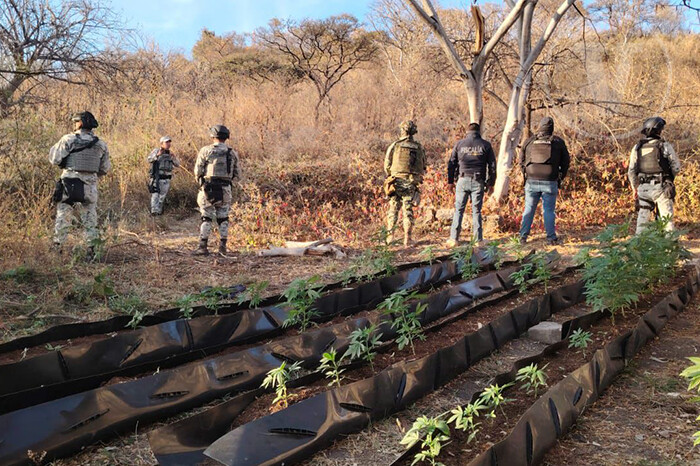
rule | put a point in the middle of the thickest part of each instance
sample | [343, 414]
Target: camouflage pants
[652, 196]
[157, 199]
[88, 216]
[214, 212]
[405, 197]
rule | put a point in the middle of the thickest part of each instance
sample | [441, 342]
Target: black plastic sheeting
[115, 324]
[555, 412]
[78, 368]
[63, 426]
[294, 434]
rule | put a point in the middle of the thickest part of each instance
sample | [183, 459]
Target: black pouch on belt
[669, 188]
[214, 192]
[57, 192]
[75, 190]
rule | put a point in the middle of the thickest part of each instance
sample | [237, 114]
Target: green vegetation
[21, 274]
[532, 378]
[363, 344]
[464, 258]
[580, 339]
[535, 271]
[378, 259]
[278, 378]
[253, 294]
[301, 296]
[464, 419]
[129, 304]
[622, 268]
[692, 373]
[330, 366]
[431, 432]
[403, 319]
[492, 397]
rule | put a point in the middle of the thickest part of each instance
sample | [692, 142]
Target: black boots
[202, 249]
[222, 247]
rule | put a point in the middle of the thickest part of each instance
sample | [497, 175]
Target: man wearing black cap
[162, 161]
[215, 169]
[544, 161]
[652, 169]
[84, 158]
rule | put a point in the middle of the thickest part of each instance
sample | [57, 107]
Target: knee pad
[221, 220]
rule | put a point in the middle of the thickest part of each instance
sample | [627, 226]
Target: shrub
[301, 296]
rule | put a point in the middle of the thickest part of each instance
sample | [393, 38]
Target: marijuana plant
[532, 378]
[253, 294]
[404, 319]
[432, 432]
[492, 397]
[464, 419]
[278, 378]
[301, 296]
[692, 373]
[580, 339]
[363, 344]
[330, 366]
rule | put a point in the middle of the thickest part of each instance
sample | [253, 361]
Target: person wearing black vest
[544, 161]
[652, 169]
[473, 166]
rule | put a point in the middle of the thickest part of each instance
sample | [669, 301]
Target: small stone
[639, 437]
[665, 433]
[545, 332]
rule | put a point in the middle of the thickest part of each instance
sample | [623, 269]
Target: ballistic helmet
[653, 125]
[219, 132]
[408, 127]
[87, 118]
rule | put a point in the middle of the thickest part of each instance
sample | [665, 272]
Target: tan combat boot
[202, 249]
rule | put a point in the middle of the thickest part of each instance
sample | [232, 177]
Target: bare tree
[324, 50]
[521, 88]
[472, 76]
[50, 39]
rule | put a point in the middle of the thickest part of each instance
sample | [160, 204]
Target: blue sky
[176, 24]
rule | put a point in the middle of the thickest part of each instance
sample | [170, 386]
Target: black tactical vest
[541, 162]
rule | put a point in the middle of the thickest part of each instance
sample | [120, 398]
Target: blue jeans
[468, 187]
[547, 190]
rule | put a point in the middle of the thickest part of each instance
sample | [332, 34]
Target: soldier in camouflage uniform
[160, 181]
[84, 158]
[405, 163]
[653, 167]
[215, 169]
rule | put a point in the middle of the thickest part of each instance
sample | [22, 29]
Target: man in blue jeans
[473, 165]
[544, 161]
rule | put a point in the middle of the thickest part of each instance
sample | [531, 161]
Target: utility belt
[651, 179]
[474, 175]
[165, 177]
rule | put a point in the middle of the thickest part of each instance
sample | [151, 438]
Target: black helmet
[653, 125]
[87, 118]
[219, 132]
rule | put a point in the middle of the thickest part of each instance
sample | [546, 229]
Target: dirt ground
[155, 264]
[646, 417]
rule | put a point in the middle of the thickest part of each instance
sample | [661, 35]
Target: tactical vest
[649, 157]
[84, 156]
[539, 160]
[166, 164]
[406, 158]
[219, 163]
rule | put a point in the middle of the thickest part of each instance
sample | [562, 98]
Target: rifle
[154, 185]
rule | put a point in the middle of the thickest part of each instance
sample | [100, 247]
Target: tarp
[295, 433]
[555, 412]
[63, 426]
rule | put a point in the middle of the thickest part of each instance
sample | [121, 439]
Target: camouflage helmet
[219, 132]
[408, 127]
[653, 125]
[88, 119]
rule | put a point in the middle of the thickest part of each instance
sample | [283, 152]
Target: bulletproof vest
[84, 156]
[649, 157]
[219, 163]
[540, 159]
[405, 159]
[165, 164]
